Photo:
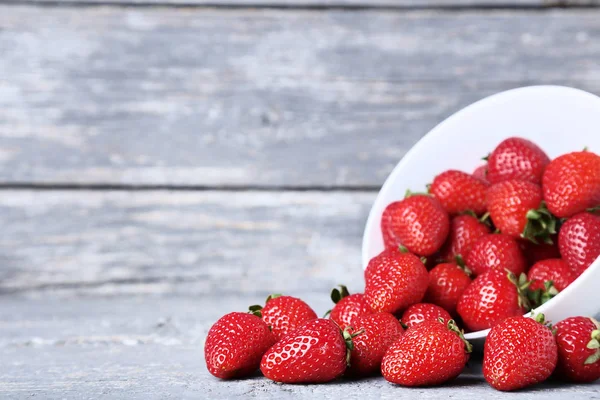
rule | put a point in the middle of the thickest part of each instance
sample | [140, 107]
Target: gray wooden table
[163, 162]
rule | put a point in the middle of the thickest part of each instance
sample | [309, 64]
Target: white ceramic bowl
[558, 119]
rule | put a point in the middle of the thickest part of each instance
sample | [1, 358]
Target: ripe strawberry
[516, 158]
[394, 282]
[571, 183]
[316, 352]
[491, 298]
[235, 344]
[464, 232]
[578, 340]
[284, 314]
[552, 270]
[447, 282]
[579, 241]
[347, 306]
[496, 251]
[517, 210]
[519, 352]
[481, 173]
[379, 332]
[418, 222]
[535, 252]
[421, 312]
[458, 192]
[428, 354]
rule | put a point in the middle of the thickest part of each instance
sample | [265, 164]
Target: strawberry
[316, 352]
[517, 210]
[395, 281]
[379, 332]
[516, 158]
[481, 173]
[284, 314]
[491, 298]
[421, 312]
[447, 282]
[535, 252]
[519, 352]
[552, 270]
[235, 345]
[418, 222]
[571, 183]
[428, 354]
[496, 251]
[464, 232]
[578, 340]
[579, 241]
[459, 192]
[347, 306]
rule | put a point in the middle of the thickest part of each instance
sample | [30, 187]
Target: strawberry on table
[458, 192]
[347, 306]
[516, 158]
[394, 281]
[418, 222]
[235, 345]
[579, 241]
[517, 210]
[447, 282]
[491, 298]
[578, 340]
[519, 352]
[316, 352]
[428, 354]
[284, 313]
[421, 312]
[379, 332]
[465, 230]
[496, 251]
[571, 183]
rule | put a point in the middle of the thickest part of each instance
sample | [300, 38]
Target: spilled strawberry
[421, 312]
[578, 340]
[347, 306]
[447, 282]
[284, 314]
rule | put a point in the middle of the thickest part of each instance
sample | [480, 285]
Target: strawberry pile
[477, 251]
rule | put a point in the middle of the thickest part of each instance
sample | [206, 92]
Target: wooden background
[163, 162]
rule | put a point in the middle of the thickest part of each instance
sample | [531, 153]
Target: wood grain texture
[105, 243]
[265, 98]
[144, 347]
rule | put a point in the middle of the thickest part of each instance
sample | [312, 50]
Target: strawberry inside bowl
[558, 119]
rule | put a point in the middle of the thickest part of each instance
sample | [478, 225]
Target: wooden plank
[183, 242]
[269, 98]
[147, 347]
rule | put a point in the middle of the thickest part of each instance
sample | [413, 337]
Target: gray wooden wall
[163, 162]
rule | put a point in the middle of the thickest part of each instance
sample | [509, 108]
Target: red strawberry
[464, 232]
[579, 241]
[394, 282]
[517, 210]
[571, 183]
[316, 352]
[447, 282]
[481, 173]
[284, 314]
[519, 352]
[235, 344]
[578, 340]
[421, 312]
[347, 306]
[459, 192]
[418, 222]
[428, 354]
[555, 270]
[535, 252]
[496, 251]
[379, 331]
[516, 158]
[491, 298]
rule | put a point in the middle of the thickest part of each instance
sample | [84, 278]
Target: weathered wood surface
[149, 347]
[153, 242]
[263, 98]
